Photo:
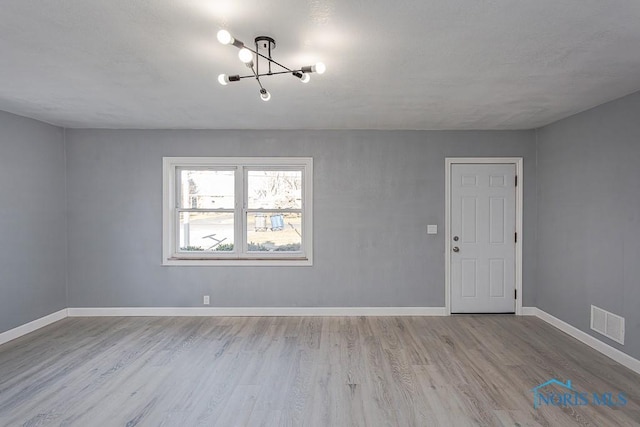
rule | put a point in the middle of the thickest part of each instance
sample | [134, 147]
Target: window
[237, 211]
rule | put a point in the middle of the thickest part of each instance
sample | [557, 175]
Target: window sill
[235, 262]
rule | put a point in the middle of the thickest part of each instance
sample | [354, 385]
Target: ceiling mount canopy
[253, 58]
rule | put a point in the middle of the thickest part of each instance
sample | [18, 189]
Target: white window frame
[170, 240]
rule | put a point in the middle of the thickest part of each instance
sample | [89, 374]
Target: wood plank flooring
[303, 371]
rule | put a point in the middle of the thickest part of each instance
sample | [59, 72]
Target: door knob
[456, 249]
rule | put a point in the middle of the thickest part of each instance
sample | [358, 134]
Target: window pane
[207, 189]
[206, 231]
[274, 232]
[274, 189]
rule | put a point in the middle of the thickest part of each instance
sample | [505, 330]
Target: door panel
[497, 220]
[468, 277]
[483, 218]
[496, 278]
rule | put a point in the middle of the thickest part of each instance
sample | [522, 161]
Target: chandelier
[252, 59]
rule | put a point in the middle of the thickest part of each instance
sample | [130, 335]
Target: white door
[483, 239]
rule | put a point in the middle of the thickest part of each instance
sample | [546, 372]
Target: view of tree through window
[274, 214]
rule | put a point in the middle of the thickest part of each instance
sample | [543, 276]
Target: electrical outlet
[205, 300]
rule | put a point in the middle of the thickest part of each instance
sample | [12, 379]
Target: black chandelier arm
[256, 76]
[269, 59]
[253, 76]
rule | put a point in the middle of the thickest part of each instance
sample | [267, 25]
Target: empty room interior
[339, 213]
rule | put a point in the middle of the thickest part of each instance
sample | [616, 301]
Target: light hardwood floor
[296, 371]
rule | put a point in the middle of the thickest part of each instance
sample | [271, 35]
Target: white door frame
[449, 162]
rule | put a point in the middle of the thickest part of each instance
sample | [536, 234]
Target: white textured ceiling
[411, 64]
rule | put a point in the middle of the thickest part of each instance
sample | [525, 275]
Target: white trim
[449, 161]
[241, 164]
[27, 328]
[529, 311]
[447, 236]
[239, 262]
[256, 311]
[611, 352]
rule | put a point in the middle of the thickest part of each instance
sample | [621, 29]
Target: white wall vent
[608, 324]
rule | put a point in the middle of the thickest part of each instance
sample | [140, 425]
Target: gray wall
[374, 194]
[589, 217]
[32, 220]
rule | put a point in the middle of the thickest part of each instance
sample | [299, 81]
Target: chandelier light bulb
[245, 55]
[320, 68]
[305, 78]
[265, 95]
[224, 37]
[223, 79]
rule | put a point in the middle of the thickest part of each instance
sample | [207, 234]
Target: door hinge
[516, 237]
[515, 294]
[516, 180]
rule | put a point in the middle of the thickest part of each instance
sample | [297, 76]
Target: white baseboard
[257, 311]
[19, 331]
[611, 352]
[529, 311]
